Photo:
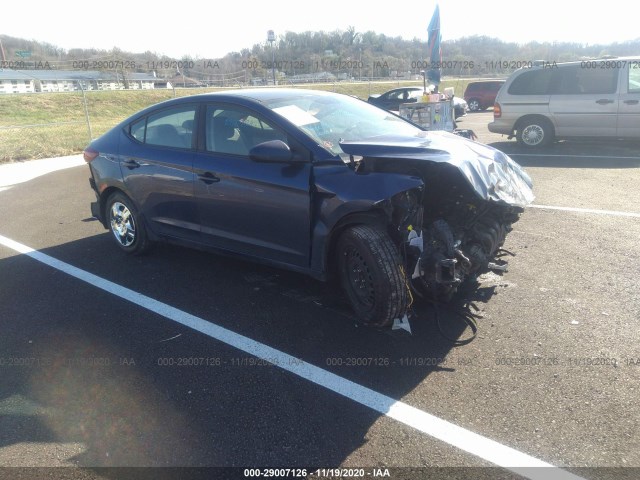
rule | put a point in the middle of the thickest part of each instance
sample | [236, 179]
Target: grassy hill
[46, 125]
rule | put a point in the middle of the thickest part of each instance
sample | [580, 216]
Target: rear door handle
[632, 102]
[208, 178]
[130, 163]
[603, 101]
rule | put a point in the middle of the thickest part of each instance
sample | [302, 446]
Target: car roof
[403, 88]
[245, 95]
[252, 94]
[264, 94]
[495, 80]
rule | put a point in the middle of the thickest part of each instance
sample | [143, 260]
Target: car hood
[491, 173]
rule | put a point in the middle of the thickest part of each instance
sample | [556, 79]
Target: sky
[210, 30]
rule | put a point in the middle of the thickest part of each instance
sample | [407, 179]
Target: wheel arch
[374, 217]
[533, 117]
[371, 274]
[477, 99]
[104, 196]
[108, 192]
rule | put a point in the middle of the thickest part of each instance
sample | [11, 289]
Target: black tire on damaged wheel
[126, 225]
[371, 275]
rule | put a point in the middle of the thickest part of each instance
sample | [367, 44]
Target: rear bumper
[95, 206]
[500, 127]
[95, 211]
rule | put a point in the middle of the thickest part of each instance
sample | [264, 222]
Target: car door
[584, 100]
[156, 160]
[392, 100]
[629, 104]
[254, 208]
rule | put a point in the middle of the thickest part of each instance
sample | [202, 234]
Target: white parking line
[587, 210]
[459, 437]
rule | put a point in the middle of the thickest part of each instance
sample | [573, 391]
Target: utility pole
[4, 57]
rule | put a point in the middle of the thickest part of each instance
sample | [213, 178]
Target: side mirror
[273, 151]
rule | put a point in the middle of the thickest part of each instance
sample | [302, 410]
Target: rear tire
[474, 105]
[534, 132]
[371, 275]
[126, 225]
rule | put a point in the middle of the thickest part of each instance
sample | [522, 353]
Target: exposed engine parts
[451, 228]
[448, 237]
[445, 257]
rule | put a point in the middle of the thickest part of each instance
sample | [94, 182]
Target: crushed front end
[454, 229]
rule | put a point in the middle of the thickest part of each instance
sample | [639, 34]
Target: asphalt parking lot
[167, 360]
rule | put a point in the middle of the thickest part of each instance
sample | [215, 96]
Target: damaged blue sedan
[315, 182]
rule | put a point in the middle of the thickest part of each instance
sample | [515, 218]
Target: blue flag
[435, 50]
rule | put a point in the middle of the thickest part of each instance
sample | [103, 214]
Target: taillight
[497, 111]
[90, 154]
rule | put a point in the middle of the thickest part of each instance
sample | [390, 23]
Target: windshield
[330, 119]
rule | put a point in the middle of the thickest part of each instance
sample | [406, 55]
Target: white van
[590, 98]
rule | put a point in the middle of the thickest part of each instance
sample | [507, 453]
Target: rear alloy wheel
[534, 132]
[371, 275]
[474, 105]
[126, 225]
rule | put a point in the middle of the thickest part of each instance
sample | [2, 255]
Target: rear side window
[399, 95]
[172, 127]
[576, 80]
[534, 82]
[484, 86]
[634, 78]
[137, 129]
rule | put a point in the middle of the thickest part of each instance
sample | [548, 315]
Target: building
[317, 77]
[29, 81]
[13, 81]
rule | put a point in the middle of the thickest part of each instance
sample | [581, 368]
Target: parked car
[315, 182]
[593, 98]
[392, 99]
[482, 95]
[460, 107]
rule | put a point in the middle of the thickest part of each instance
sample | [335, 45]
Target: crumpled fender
[341, 193]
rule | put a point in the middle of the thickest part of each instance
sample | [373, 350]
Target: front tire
[371, 275]
[126, 225]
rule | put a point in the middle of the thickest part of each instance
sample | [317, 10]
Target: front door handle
[208, 178]
[632, 102]
[604, 101]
